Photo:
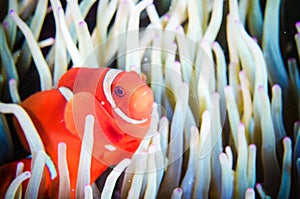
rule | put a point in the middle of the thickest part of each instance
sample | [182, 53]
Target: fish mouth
[128, 119]
[141, 102]
[107, 83]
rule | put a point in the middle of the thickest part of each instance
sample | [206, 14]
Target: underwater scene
[150, 99]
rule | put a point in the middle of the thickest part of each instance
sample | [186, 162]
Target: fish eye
[119, 91]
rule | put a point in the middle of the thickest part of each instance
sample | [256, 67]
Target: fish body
[121, 103]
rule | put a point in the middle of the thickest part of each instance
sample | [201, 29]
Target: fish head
[133, 99]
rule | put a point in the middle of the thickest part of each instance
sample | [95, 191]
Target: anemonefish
[121, 103]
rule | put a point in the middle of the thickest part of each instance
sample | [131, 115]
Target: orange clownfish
[121, 103]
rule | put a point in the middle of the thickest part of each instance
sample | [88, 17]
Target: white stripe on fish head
[107, 82]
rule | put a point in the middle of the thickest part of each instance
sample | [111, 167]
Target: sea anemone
[225, 79]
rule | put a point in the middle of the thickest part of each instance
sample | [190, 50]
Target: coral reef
[225, 79]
